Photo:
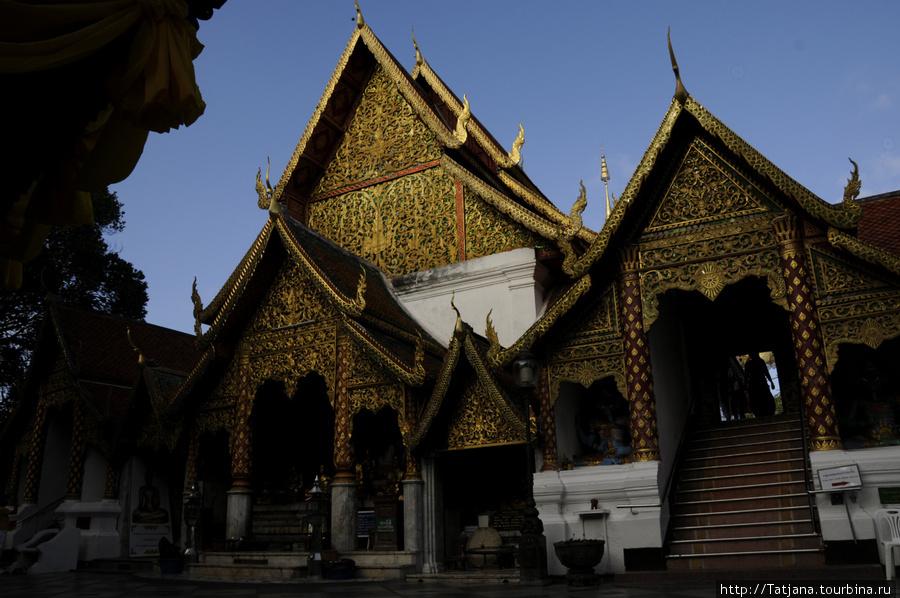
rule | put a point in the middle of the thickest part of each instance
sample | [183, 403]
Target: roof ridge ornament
[459, 325]
[266, 193]
[420, 60]
[681, 94]
[851, 191]
[360, 21]
[361, 290]
[461, 134]
[198, 309]
[515, 155]
[141, 360]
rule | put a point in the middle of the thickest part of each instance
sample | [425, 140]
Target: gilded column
[238, 506]
[241, 441]
[111, 491]
[190, 469]
[638, 375]
[12, 484]
[36, 456]
[343, 450]
[413, 492]
[809, 349]
[343, 489]
[548, 424]
[75, 479]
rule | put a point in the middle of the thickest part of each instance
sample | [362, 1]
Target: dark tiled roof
[98, 345]
[880, 223]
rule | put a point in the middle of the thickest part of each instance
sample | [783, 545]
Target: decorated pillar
[36, 456]
[548, 424]
[111, 491]
[190, 468]
[413, 494]
[239, 496]
[343, 489]
[12, 484]
[809, 349]
[638, 375]
[75, 479]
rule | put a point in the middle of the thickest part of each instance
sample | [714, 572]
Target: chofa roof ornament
[360, 22]
[681, 93]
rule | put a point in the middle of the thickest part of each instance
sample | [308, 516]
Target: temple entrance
[482, 487]
[293, 440]
[866, 391]
[214, 478]
[731, 357]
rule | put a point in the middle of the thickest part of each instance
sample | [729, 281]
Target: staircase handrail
[42, 510]
[807, 467]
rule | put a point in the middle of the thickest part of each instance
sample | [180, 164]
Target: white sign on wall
[845, 477]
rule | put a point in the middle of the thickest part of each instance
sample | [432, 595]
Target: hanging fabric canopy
[81, 86]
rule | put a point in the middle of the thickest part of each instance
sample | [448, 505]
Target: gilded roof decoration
[681, 94]
[499, 357]
[462, 121]
[540, 203]
[499, 201]
[384, 136]
[863, 250]
[414, 376]
[851, 190]
[484, 414]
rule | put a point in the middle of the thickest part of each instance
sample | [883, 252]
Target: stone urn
[580, 557]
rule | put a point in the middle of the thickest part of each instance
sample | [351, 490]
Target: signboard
[840, 478]
[889, 496]
[365, 523]
[385, 525]
[507, 521]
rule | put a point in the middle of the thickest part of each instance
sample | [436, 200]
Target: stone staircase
[741, 500]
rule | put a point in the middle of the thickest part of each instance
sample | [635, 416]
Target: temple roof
[470, 351]
[96, 345]
[469, 151]
[880, 222]
[357, 289]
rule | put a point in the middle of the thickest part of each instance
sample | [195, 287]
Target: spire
[681, 93]
[360, 22]
[604, 176]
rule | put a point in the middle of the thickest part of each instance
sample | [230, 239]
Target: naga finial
[515, 154]
[851, 191]
[419, 59]
[198, 308]
[360, 22]
[681, 93]
[265, 192]
[361, 290]
[461, 134]
[459, 326]
[489, 331]
[141, 360]
[575, 221]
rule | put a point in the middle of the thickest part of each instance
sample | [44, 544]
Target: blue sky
[808, 84]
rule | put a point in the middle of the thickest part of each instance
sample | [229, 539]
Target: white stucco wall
[509, 283]
[878, 467]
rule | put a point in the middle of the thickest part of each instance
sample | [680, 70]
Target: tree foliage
[79, 267]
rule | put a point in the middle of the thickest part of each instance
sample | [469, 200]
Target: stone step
[749, 544]
[746, 438]
[693, 473]
[745, 458]
[769, 490]
[747, 561]
[738, 530]
[742, 448]
[746, 516]
[743, 503]
[746, 427]
[725, 479]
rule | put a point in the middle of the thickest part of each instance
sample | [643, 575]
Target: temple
[366, 346]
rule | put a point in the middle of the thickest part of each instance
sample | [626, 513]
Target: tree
[78, 266]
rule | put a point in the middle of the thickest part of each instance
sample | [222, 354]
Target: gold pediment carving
[292, 300]
[836, 278]
[478, 421]
[705, 189]
[402, 225]
[385, 136]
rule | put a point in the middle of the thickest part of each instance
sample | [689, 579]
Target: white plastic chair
[887, 531]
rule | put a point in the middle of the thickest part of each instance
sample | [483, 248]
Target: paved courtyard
[109, 585]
